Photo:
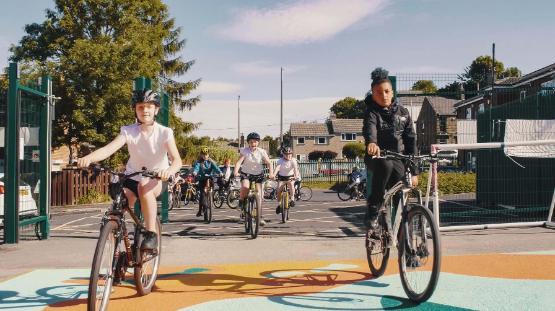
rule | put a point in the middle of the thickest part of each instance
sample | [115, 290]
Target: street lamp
[238, 123]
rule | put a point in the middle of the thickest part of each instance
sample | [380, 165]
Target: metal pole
[493, 75]
[281, 111]
[238, 123]
[11, 199]
[45, 133]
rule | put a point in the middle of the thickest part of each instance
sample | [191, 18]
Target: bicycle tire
[146, 259]
[208, 207]
[106, 232]
[284, 204]
[233, 199]
[217, 199]
[246, 220]
[187, 197]
[345, 194]
[421, 228]
[175, 200]
[305, 193]
[377, 252]
[255, 217]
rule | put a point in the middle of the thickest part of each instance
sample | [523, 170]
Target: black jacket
[391, 128]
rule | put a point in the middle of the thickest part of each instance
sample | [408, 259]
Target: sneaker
[371, 220]
[291, 203]
[262, 222]
[199, 213]
[278, 209]
[150, 241]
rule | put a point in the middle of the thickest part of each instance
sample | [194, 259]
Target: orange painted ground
[177, 290]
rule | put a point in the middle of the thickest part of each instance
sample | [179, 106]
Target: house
[413, 102]
[330, 135]
[436, 123]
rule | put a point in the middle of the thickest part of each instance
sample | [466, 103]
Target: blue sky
[327, 47]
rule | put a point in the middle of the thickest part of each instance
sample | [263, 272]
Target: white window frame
[298, 142]
[344, 136]
[317, 140]
[469, 113]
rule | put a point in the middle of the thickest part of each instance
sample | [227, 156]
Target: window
[300, 140]
[522, 95]
[301, 157]
[321, 140]
[469, 113]
[442, 124]
[481, 108]
[349, 136]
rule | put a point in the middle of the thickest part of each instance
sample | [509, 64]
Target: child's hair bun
[379, 74]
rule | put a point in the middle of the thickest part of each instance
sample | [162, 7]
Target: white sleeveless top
[253, 163]
[147, 150]
[287, 168]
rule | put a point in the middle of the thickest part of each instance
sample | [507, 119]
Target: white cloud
[260, 68]
[262, 116]
[211, 87]
[300, 22]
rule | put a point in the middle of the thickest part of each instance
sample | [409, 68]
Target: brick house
[436, 123]
[331, 135]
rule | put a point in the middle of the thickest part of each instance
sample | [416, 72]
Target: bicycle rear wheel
[305, 193]
[377, 252]
[419, 253]
[176, 196]
[103, 268]
[254, 216]
[148, 262]
[233, 199]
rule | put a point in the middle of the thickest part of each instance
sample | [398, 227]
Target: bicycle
[190, 194]
[175, 194]
[413, 231]
[111, 257]
[207, 199]
[284, 199]
[355, 189]
[253, 210]
[220, 196]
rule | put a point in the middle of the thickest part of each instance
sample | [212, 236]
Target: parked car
[27, 205]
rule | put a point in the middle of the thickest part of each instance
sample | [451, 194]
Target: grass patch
[93, 197]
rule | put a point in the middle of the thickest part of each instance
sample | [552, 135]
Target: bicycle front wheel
[233, 199]
[419, 253]
[306, 193]
[208, 207]
[284, 205]
[148, 262]
[217, 199]
[254, 208]
[103, 268]
[345, 193]
[377, 252]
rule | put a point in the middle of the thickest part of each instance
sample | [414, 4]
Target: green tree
[511, 72]
[353, 150]
[93, 49]
[426, 86]
[348, 108]
[274, 145]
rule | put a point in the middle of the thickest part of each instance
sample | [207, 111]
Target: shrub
[92, 197]
[450, 183]
[353, 150]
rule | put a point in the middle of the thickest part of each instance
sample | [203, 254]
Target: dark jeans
[386, 172]
[201, 185]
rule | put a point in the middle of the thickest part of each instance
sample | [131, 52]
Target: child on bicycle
[149, 145]
[250, 167]
[287, 171]
[203, 169]
[387, 125]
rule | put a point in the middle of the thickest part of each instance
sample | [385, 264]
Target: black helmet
[254, 136]
[287, 150]
[146, 96]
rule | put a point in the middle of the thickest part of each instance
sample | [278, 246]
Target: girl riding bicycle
[287, 171]
[251, 166]
[203, 169]
[149, 145]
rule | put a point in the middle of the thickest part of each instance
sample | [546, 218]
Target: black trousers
[201, 185]
[386, 172]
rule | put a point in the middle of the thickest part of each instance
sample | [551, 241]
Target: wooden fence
[69, 185]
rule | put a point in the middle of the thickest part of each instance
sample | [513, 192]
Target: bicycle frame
[400, 210]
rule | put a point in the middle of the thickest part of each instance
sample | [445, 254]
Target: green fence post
[165, 120]
[45, 138]
[11, 143]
